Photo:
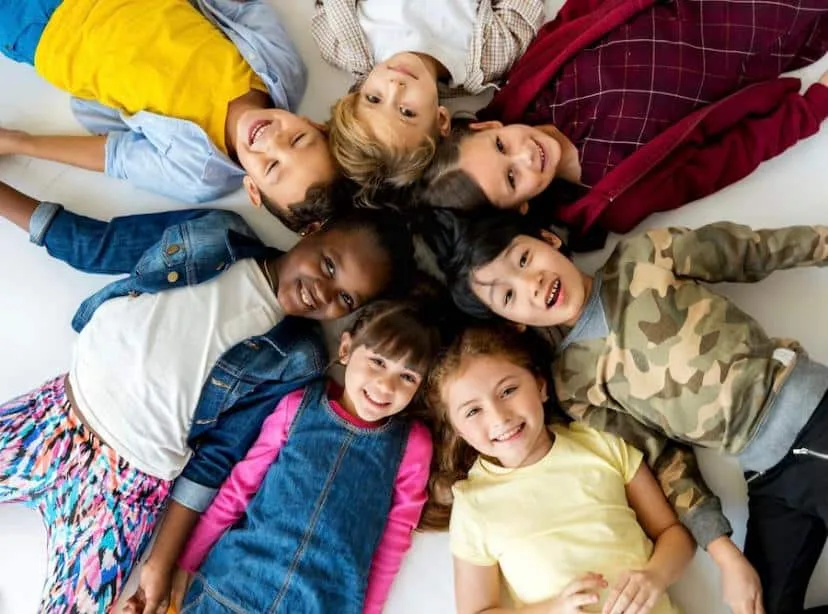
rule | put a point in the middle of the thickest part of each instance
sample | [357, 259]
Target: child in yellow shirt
[570, 516]
[188, 100]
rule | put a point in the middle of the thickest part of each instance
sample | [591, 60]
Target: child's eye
[472, 412]
[507, 298]
[406, 112]
[499, 145]
[377, 361]
[347, 300]
[271, 166]
[524, 258]
[408, 378]
[330, 267]
[510, 179]
[297, 139]
[507, 392]
[372, 99]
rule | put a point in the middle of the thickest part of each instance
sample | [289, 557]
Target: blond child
[401, 55]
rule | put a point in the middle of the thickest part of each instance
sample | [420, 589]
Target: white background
[38, 297]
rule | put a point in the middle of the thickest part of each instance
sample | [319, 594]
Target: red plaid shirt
[666, 62]
[614, 75]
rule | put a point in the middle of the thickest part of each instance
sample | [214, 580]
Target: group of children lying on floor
[545, 416]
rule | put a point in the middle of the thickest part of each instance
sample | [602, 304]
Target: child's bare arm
[16, 206]
[477, 591]
[81, 151]
[638, 590]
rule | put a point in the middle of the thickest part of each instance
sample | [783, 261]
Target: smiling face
[496, 406]
[283, 155]
[331, 273]
[376, 387]
[511, 164]
[532, 283]
[399, 101]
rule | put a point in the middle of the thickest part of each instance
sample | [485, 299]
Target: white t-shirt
[441, 28]
[140, 363]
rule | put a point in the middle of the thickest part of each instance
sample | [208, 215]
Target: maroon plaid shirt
[667, 61]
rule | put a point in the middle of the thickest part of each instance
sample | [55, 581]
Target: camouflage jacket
[680, 363]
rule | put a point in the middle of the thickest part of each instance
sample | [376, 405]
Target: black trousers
[788, 519]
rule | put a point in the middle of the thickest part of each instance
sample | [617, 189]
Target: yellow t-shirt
[161, 56]
[549, 523]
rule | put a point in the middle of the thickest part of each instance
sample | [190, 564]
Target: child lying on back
[570, 516]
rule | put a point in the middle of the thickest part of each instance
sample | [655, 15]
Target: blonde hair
[453, 457]
[369, 162]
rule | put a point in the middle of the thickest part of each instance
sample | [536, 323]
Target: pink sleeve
[407, 505]
[242, 483]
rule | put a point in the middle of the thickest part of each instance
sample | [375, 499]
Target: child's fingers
[619, 596]
[642, 603]
[135, 604]
[591, 582]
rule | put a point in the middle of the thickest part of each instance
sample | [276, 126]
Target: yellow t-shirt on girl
[162, 56]
[549, 523]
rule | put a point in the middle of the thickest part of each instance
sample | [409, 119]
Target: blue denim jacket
[175, 157]
[159, 251]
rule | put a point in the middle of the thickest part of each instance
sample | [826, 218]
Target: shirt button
[173, 249]
[172, 277]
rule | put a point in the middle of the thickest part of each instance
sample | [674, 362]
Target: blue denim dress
[307, 539]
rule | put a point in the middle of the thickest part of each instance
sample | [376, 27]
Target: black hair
[391, 235]
[463, 243]
[322, 201]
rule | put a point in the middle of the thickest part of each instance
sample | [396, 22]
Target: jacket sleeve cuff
[192, 495]
[41, 220]
[707, 522]
[817, 95]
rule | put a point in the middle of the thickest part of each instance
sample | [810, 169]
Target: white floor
[38, 297]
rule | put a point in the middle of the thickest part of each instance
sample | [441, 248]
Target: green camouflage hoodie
[679, 361]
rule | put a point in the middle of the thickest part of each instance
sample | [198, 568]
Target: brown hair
[367, 161]
[444, 185]
[410, 330]
[453, 457]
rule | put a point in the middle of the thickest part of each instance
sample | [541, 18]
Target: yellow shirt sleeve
[466, 535]
[621, 455]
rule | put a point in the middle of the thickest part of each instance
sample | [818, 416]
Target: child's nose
[524, 157]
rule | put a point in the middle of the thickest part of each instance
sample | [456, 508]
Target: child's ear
[310, 229]
[344, 353]
[551, 238]
[252, 190]
[489, 125]
[443, 120]
[542, 389]
[523, 209]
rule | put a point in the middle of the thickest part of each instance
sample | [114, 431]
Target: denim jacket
[159, 251]
[175, 157]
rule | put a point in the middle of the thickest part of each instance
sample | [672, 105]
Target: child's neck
[587, 281]
[569, 166]
[254, 99]
[434, 66]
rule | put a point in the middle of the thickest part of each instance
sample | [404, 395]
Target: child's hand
[635, 592]
[11, 141]
[180, 583]
[153, 594]
[581, 592]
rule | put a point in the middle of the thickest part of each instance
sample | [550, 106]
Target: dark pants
[788, 519]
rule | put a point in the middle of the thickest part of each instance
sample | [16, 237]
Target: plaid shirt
[666, 62]
[503, 31]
